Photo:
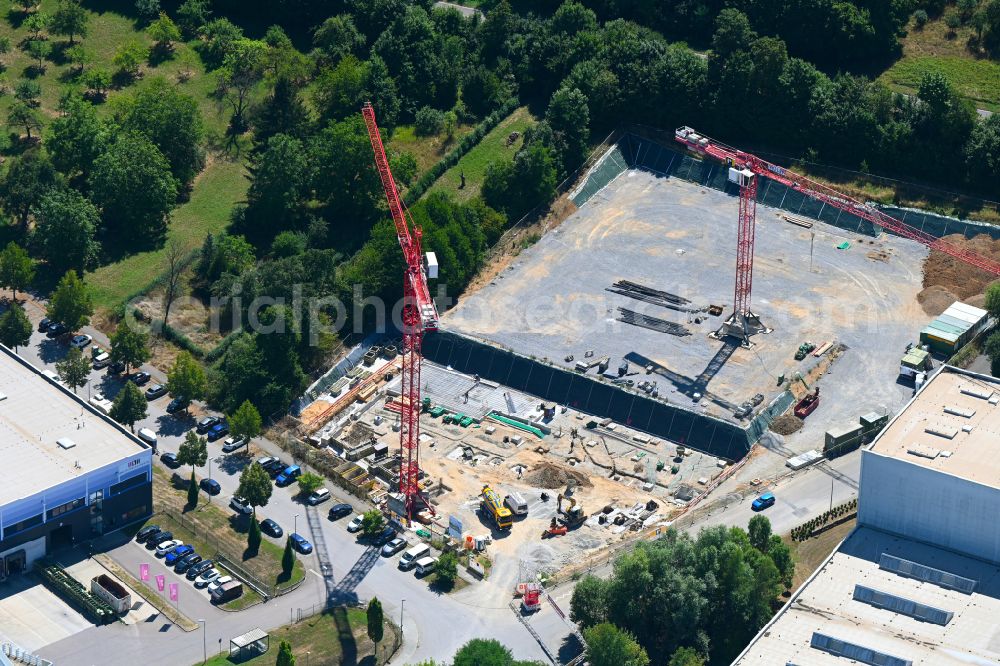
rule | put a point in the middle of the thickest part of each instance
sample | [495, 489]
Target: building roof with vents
[47, 435]
[951, 425]
[882, 599]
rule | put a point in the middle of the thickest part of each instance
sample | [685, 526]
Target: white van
[516, 504]
[425, 565]
[411, 556]
[148, 436]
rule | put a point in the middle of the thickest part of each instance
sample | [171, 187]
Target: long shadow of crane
[688, 385]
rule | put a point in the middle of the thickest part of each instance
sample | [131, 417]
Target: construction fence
[563, 386]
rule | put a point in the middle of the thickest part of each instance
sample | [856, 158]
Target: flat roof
[826, 605]
[34, 416]
[951, 425]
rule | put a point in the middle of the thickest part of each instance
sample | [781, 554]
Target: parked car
[218, 582]
[240, 505]
[227, 592]
[318, 496]
[338, 511]
[139, 378]
[80, 341]
[167, 546]
[265, 461]
[232, 443]
[300, 543]
[275, 467]
[116, 368]
[397, 544]
[146, 532]
[384, 536]
[206, 424]
[55, 330]
[157, 538]
[199, 568]
[762, 502]
[170, 460]
[177, 404]
[271, 528]
[178, 553]
[187, 562]
[44, 324]
[207, 577]
[218, 431]
[210, 486]
[288, 476]
[355, 524]
[155, 391]
[101, 360]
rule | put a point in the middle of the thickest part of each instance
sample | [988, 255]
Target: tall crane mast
[419, 315]
[744, 170]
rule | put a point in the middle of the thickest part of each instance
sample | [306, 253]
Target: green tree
[285, 656]
[39, 50]
[171, 120]
[28, 5]
[446, 570]
[193, 14]
[97, 81]
[428, 122]
[186, 378]
[66, 223]
[309, 482]
[569, 118]
[607, 645]
[375, 619]
[281, 112]
[79, 56]
[289, 244]
[129, 345]
[28, 179]
[348, 181]
[17, 268]
[36, 24]
[245, 422]
[372, 523]
[193, 450]
[76, 137]
[129, 406]
[759, 530]
[992, 350]
[280, 185]
[253, 535]
[589, 603]
[685, 656]
[70, 303]
[70, 20]
[132, 184]
[147, 9]
[23, 115]
[993, 299]
[338, 37]
[28, 92]
[74, 369]
[255, 486]
[781, 555]
[242, 69]
[15, 327]
[483, 652]
[164, 32]
[129, 57]
[287, 559]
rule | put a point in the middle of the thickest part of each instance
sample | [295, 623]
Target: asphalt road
[356, 573]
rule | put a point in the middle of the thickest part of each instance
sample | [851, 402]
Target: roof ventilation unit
[910, 569]
[65, 443]
[977, 393]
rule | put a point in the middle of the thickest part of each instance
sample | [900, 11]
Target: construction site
[606, 377]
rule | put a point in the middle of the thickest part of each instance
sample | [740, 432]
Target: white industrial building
[918, 582]
[69, 472]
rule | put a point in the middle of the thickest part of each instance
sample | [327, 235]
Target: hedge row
[216, 352]
[467, 143]
[160, 279]
[75, 594]
[806, 530]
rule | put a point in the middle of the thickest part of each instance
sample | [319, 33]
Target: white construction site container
[432, 265]
[741, 177]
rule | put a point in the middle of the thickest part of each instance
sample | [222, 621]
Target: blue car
[178, 553]
[218, 431]
[762, 502]
[300, 544]
[288, 476]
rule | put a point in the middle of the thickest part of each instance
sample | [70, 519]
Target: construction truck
[492, 505]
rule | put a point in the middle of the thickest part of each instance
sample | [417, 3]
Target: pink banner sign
[143, 572]
[160, 582]
[173, 591]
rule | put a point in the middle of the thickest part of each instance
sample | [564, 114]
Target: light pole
[307, 658]
[204, 641]
[831, 493]
[402, 605]
[296, 524]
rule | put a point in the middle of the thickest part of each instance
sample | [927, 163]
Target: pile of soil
[552, 476]
[961, 279]
[935, 299]
[786, 424]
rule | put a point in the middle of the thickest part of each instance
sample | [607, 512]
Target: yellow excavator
[573, 515]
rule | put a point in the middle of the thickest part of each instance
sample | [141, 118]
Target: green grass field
[492, 148]
[221, 185]
[428, 150]
[935, 48]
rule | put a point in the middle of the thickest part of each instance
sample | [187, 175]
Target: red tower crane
[419, 314]
[744, 169]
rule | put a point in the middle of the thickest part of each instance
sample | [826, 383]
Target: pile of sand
[549, 475]
[786, 424]
[961, 279]
[936, 299]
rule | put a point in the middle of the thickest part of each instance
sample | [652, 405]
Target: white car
[217, 583]
[355, 524]
[167, 546]
[207, 577]
[240, 505]
[81, 341]
[232, 443]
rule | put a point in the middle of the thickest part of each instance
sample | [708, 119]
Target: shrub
[428, 121]
[920, 18]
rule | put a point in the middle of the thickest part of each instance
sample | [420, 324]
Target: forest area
[112, 141]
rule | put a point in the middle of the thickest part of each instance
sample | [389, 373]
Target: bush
[446, 569]
[920, 18]
[428, 121]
